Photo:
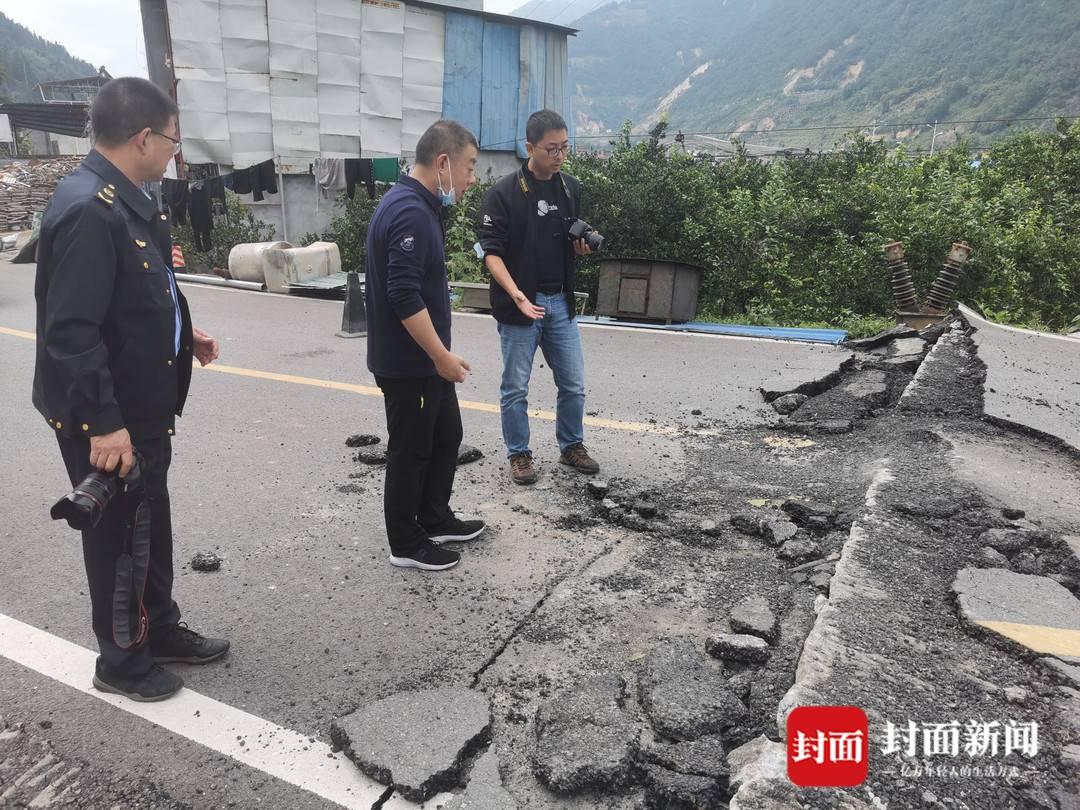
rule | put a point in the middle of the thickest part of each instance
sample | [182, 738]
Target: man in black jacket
[114, 353]
[524, 234]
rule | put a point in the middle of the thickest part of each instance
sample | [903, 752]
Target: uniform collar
[130, 193]
[422, 190]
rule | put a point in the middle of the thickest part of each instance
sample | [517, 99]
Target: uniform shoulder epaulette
[107, 194]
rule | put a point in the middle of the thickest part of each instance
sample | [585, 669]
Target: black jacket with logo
[106, 317]
[509, 229]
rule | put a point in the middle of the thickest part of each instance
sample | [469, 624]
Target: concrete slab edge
[849, 583]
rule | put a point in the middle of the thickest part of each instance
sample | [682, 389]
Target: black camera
[580, 229]
[84, 506]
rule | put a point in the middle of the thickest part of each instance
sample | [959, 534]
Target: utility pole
[933, 140]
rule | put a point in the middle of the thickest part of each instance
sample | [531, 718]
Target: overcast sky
[109, 32]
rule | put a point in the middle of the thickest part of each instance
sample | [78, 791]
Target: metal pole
[933, 140]
[281, 191]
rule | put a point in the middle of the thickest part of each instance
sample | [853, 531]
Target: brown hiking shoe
[522, 469]
[578, 457]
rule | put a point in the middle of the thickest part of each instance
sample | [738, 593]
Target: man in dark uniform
[114, 355]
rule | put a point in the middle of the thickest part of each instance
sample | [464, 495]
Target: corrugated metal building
[297, 80]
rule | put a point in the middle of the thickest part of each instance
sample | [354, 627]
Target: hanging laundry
[387, 170]
[330, 175]
[202, 222]
[358, 170]
[174, 198]
[255, 180]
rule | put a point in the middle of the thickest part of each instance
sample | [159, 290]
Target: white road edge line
[977, 320]
[277, 751]
[584, 321]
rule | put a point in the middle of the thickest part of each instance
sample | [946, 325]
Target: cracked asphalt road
[560, 589]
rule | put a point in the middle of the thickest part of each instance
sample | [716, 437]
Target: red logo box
[827, 746]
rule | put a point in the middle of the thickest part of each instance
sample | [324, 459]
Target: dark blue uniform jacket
[107, 310]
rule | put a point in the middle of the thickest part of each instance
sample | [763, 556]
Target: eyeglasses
[555, 151]
[176, 142]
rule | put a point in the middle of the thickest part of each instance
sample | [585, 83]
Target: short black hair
[444, 137]
[128, 105]
[541, 123]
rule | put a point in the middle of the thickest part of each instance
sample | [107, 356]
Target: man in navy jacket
[408, 349]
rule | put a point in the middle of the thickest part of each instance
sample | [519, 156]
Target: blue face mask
[447, 198]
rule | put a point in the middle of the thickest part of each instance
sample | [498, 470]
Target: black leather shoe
[181, 645]
[157, 684]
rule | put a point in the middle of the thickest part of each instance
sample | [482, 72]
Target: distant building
[295, 81]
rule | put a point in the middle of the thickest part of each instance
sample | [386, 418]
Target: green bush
[798, 239]
[349, 229]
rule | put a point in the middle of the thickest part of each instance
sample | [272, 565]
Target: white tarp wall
[297, 80]
[199, 67]
[246, 47]
[381, 77]
[338, 26]
[422, 91]
[294, 68]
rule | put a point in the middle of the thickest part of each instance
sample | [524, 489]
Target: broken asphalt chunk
[362, 440]
[702, 757]
[896, 333]
[798, 549]
[585, 741]
[1010, 541]
[419, 742]
[810, 514]
[206, 561]
[467, 454]
[685, 695]
[598, 489]
[753, 616]
[668, 790]
[736, 647]
[789, 403]
[371, 455]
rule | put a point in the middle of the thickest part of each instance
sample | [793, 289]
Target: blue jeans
[558, 338]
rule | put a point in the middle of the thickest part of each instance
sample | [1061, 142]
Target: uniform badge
[408, 244]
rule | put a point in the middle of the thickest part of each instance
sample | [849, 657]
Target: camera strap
[131, 623]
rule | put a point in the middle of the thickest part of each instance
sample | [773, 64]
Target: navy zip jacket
[406, 273]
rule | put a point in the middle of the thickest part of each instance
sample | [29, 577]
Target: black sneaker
[181, 645]
[456, 531]
[428, 557]
[157, 684]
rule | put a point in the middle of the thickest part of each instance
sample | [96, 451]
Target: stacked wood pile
[27, 185]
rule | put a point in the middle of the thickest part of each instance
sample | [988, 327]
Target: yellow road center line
[1040, 638]
[371, 391]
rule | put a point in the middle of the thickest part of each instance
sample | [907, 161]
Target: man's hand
[582, 249]
[527, 307]
[452, 368]
[206, 347]
[110, 450]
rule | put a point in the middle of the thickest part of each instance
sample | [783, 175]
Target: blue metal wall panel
[558, 90]
[463, 76]
[534, 68]
[501, 78]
